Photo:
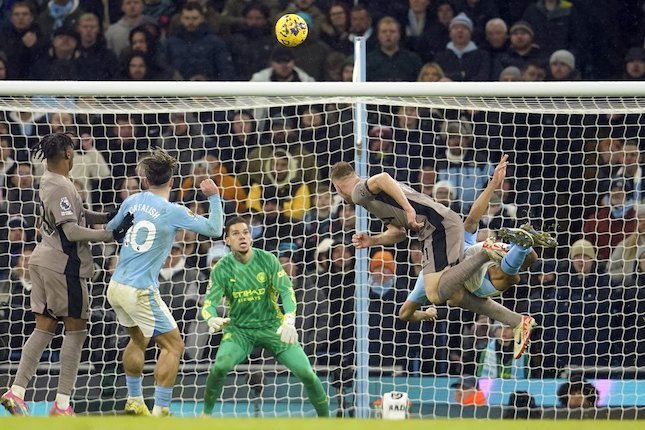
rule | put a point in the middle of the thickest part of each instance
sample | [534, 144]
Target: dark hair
[231, 222]
[137, 54]
[193, 5]
[575, 386]
[341, 170]
[52, 146]
[158, 167]
[263, 9]
[150, 39]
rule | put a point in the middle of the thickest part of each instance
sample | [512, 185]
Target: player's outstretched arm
[76, 233]
[383, 182]
[480, 206]
[209, 308]
[213, 226]
[282, 283]
[390, 236]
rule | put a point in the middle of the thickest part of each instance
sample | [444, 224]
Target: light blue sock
[514, 259]
[163, 396]
[134, 383]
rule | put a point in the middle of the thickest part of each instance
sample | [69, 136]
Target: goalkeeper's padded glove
[119, 232]
[287, 330]
[216, 324]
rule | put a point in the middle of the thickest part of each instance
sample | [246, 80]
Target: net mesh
[575, 172]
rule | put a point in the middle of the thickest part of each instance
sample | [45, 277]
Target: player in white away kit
[134, 288]
[445, 270]
[492, 278]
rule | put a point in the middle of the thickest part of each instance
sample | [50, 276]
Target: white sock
[138, 399]
[18, 391]
[62, 401]
[156, 411]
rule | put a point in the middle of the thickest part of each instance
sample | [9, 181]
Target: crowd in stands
[578, 175]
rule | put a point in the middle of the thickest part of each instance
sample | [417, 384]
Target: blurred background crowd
[577, 175]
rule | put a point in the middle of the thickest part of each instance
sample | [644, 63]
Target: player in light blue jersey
[492, 278]
[134, 288]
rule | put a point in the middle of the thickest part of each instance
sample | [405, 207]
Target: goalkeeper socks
[18, 391]
[70, 358]
[135, 386]
[163, 396]
[512, 261]
[453, 279]
[30, 356]
[62, 401]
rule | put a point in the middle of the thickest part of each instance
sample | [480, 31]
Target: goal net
[575, 171]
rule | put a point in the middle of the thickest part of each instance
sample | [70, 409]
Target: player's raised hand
[361, 240]
[216, 324]
[413, 224]
[208, 187]
[500, 171]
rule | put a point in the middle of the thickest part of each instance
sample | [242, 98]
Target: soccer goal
[575, 171]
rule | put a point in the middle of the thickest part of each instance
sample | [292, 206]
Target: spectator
[179, 285]
[275, 229]
[634, 64]
[533, 71]
[496, 360]
[496, 42]
[427, 179]
[497, 216]
[161, 10]
[335, 32]
[391, 62]
[117, 34]
[308, 11]
[311, 55]
[361, 25]
[283, 68]
[459, 166]
[439, 27]
[555, 25]
[479, 12]
[462, 60]
[6, 164]
[510, 74]
[521, 405]
[522, 49]
[3, 66]
[431, 72]
[99, 63]
[61, 62]
[89, 165]
[59, 13]
[318, 219]
[562, 66]
[231, 191]
[136, 67]
[467, 393]
[418, 28]
[282, 180]
[625, 257]
[217, 23]
[251, 44]
[21, 196]
[444, 193]
[583, 308]
[577, 394]
[608, 226]
[157, 65]
[183, 140]
[193, 49]
[22, 40]
[236, 143]
[630, 171]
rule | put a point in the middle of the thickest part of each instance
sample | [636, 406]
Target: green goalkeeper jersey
[251, 290]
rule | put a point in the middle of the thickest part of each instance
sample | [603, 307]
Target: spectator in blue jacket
[194, 50]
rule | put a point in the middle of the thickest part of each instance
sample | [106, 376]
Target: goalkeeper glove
[287, 330]
[216, 324]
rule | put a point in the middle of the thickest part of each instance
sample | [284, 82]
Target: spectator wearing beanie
[521, 49]
[462, 60]
[562, 66]
[510, 74]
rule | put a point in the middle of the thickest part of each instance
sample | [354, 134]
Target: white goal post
[557, 133]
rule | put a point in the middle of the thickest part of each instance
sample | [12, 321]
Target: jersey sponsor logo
[249, 295]
[261, 277]
[66, 206]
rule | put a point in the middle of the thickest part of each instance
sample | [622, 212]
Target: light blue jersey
[148, 242]
[418, 294]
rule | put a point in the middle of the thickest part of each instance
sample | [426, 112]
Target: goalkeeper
[251, 280]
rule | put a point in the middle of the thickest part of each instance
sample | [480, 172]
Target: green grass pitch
[135, 423]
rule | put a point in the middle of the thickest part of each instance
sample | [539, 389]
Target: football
[291, 29]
